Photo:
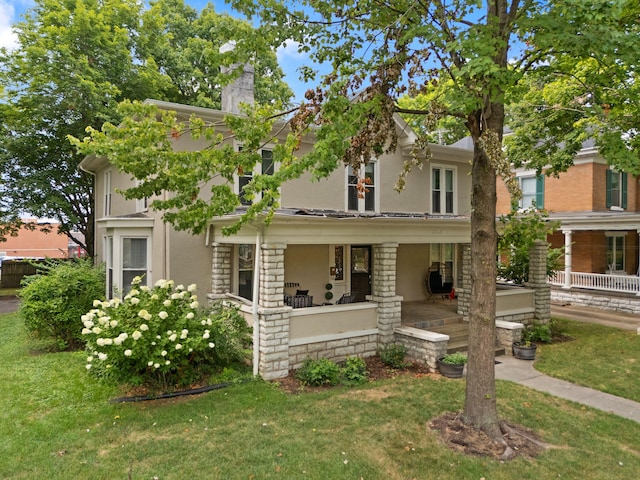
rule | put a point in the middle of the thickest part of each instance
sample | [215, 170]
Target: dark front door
[361, 272]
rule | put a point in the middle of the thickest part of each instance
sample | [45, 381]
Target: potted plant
[452, 364]
[531, 335]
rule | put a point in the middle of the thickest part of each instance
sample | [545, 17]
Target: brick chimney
[241, 89]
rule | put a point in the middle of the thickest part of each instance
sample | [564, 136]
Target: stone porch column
[567, 259]
[221, 270]
[384, 291]
[463, 289]
[538, 281]
[273, 315]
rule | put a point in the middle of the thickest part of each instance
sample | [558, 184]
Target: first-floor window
[245, 270]
[126, 257]
[134, 260]
[615, 253]
[442, 255]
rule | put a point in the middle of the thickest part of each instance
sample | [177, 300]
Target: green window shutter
[609, 203]
[624, 189]
[540, 191]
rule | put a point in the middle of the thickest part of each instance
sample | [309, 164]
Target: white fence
[599, 281]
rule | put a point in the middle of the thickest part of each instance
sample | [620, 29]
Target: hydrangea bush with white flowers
[160, 337]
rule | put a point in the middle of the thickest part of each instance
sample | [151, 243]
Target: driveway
[8, 303]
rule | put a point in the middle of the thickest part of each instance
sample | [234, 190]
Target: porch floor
[425, 314]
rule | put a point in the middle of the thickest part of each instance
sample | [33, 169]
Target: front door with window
[361, 272]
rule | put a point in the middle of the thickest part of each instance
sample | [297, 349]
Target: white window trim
[108, 193]
[257, 169]
[443, 197]
[142, 204]
[116, 260]
[623, 235]
[376, 189]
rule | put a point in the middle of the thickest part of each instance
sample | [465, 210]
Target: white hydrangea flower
[205, 335]
[97, 303]
[89, 359]
[178, 346]
[113, 323]
[102, 356]
[97, 330]
[193, 297]
[167, 362]
[160, 283]
[123, 336]
[180, 287]
[211, 345]
[203, 323]
[88, 366]
[175, 296]
[128, 353]
[150, 363]
[88, 323]
[173, 337]
[86, 331]
[136, 280]
[190, 316]
[108, 341]
[134, 301]
[134, 293]
[167, 303]
[192, 288]
[163, 315]
[144, 327]
[103, 320]
[143, 313]
[184, 334]
[136, 335]
[156, 365]
[163, 353]
[144, 288]
[153, 343]
[155, 296]
[209, 323]
[193, 305]
[100, 342]
[117, 341]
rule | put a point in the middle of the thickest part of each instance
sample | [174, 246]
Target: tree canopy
[574, 62]
[75, 61]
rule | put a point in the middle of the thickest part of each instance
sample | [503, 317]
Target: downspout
[256, 299]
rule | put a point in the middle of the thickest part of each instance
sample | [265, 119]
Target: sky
[290, 60]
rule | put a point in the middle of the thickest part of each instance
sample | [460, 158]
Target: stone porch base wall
[422, 346]
[507, 333]
[364, 344]
[526, 317]
[624, 303]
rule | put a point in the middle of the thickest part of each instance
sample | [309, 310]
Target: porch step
[458, 337]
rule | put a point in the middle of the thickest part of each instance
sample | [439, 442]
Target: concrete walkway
[522, 372]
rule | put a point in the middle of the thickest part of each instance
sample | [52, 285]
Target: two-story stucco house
[598, 208]
[327, 277]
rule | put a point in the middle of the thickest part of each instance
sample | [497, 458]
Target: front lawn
[604, 358]
[57, 423]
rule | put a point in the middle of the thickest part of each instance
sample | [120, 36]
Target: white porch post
[567, 258]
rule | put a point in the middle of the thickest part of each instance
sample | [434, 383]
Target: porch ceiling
[317, 229]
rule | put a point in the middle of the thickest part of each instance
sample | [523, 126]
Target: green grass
[9, 291]
[57, 423]
[604, 358]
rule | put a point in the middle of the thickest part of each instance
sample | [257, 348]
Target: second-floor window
[443, 181]
[361, 188]
[265, 167]
[616, 189]
[532, 191]
[107, 193]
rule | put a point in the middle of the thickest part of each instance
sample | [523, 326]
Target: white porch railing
[599, 281]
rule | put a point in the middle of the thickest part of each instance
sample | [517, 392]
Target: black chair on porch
[434, 284]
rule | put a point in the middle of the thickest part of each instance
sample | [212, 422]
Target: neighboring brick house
[36, 243]
[598, 208]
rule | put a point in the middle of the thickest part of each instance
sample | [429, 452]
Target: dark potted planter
[452, 364]
[524, 350]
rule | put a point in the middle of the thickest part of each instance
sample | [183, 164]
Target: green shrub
[318, 372]
[53, 300]
[393, 355]
[558, 327]
[354, 371]
[537, 332]
[161, 338]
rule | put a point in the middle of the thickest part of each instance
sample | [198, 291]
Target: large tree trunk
[480, 408]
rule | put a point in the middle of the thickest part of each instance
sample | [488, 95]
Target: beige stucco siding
[190, 260]
[307, 265]
[411, 267]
